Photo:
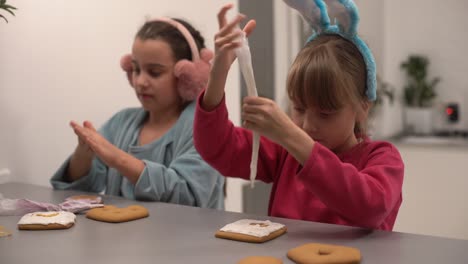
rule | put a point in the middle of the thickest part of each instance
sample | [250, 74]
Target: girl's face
[154, 80]
[333, 129]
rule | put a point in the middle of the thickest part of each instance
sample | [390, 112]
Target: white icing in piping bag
[245, 63]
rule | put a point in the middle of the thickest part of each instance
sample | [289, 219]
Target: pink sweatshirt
[362, 187]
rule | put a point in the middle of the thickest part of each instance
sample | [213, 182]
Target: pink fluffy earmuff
[192, 76]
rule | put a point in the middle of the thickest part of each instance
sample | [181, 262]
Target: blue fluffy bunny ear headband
[338, 17]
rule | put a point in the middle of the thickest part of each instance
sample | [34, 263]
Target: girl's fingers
[82, 132]
[73, 124]
[265, 111]
[251, 126]
[223, 40]
[250, 108]
[230, 46]
[76, 128]
[256, 100]
[253, 117]
[222, 15]
[89, 125]
[249, 27]
[222, 21]
[257, 105]
[231, 25]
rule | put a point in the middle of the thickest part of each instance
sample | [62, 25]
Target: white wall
[371, 28]
[60, 61]
[287, 44]
[436, 29]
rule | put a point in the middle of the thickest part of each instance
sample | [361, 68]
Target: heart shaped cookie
[113, 214]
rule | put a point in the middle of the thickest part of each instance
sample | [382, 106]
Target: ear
[126, 65]
[192, 77]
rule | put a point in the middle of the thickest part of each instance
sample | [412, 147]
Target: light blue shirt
[174, 171]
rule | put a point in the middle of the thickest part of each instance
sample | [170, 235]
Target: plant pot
[418, 120]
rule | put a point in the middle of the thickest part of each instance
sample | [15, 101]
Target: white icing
[45, 218]
[251, 227]
[89, 199]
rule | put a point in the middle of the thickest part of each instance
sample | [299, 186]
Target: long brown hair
[164, 31]
[328, 73]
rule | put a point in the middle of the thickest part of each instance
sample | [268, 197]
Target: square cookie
[47, 220]
[253, 231]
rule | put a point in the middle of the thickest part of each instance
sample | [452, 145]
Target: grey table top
[181, 234]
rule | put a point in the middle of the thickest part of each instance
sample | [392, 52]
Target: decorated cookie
[260, 260]
[113, 214]
[254, 231]
[47, 220]
[93, 199]
[315, 253]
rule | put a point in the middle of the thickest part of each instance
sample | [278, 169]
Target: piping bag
[245, 63]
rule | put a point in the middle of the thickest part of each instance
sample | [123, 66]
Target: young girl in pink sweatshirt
[322, 165]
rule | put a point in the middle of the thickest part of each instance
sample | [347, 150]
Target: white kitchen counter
[435, 199]
[430, 141]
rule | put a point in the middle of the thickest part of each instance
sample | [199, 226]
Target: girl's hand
[83, 150]
[228, 37]
[226, 41]
[91, 139]
[265, 116]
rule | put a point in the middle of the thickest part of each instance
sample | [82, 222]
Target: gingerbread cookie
[113, 214]
[315, 253]
[93, 199]
[253, 231]
[4, 232]
[260, 260]
[47, 220]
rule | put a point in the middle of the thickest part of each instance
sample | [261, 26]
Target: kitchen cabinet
[435, 199]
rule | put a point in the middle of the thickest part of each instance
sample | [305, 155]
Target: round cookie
[4, 232]
[260, 260]
[113, 214]
[47, 220]
[315, 253]
[253, 231]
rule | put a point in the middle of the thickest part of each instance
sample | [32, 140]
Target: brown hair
[328, 73]
[164, 31]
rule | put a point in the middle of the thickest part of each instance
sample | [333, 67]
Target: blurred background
[59, 61]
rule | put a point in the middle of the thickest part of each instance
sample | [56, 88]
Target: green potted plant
[419, 94]
[6, 7]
